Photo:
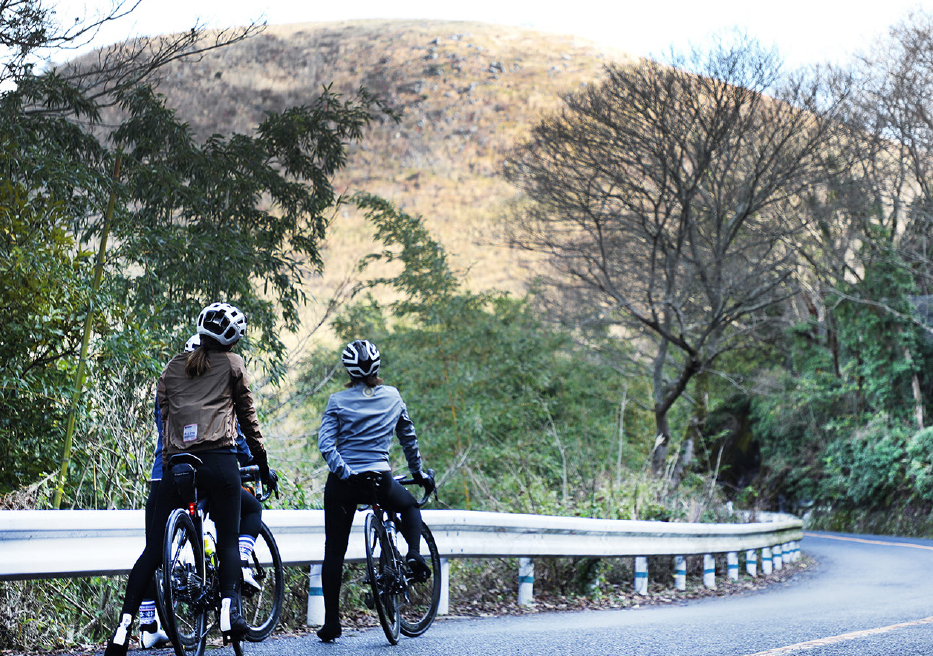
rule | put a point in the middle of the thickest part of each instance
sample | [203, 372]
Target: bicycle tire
[419, 607]
[236, 641]
[183, 585]
[159, 596]
[262, 608]
[382, 573]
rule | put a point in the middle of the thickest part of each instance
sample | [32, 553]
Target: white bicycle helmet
[223, 322]
[193, 342]
[361, 358]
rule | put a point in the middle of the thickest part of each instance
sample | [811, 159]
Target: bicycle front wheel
[382, 571]
[262, 606]
[419, 606]
[183, 586]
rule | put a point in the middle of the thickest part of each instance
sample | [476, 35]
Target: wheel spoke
[262, 608]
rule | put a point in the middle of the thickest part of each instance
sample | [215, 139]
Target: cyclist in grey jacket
[355, 435]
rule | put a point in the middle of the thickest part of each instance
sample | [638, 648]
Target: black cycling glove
[425, 479]
[271, 483]
[270, 480]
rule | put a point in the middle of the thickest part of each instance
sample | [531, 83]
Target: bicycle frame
[390, 521]
[209, 599]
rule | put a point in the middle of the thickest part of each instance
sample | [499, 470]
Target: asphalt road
[868, 596]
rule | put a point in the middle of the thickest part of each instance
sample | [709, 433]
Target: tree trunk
[918, 395]
[621, 437]
[695, 428]
[662, 440]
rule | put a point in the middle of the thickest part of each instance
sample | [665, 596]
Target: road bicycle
[404, 603]
[188, 595]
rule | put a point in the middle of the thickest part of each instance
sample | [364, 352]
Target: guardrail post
[641, 575]
[315, 597]
[732, 565]
[526, 581]
[777, 556]
[766, 565]
[680, 573]
[751, 562]
[709, 571]
[443, 606]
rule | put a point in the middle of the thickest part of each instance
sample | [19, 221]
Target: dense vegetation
[748, 319]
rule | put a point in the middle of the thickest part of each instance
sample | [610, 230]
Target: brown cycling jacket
[198, 413]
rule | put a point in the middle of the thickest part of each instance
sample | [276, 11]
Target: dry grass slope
[469, 91]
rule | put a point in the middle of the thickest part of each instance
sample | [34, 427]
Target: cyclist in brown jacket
[201, 395]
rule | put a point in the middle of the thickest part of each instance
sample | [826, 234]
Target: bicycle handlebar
[411, 481]
[250, 473]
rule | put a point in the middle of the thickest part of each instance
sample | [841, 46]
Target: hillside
[469, 91]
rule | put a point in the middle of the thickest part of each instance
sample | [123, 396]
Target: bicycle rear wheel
[382, 571]
[419, 606]
[183, 584]
[262, 608]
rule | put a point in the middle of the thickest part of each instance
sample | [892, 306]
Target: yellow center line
[866, 541]
[821, 642]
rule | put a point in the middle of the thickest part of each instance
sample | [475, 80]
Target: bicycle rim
[183, 583]
[383, 577]
[262, 608]
[419, 605]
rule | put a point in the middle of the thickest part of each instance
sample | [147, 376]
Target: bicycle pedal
[368, 600]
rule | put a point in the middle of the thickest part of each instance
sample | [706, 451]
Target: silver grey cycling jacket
[357, 427]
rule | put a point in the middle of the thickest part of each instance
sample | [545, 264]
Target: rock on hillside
[469, 91]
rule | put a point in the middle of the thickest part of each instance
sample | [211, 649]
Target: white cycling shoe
[249, 579]
[230, 620]
[153, 639]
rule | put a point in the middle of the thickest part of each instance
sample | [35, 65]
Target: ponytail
[197, 363]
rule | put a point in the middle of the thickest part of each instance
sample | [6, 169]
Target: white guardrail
[37, 544]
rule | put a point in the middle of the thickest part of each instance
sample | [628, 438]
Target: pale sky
[805, 31]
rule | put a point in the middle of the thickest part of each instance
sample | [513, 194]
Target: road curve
[867, 596]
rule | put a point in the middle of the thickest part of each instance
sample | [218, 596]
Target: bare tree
[667, 200]
[32, 35]
[894, 163]
[30, 31]
[879, 206]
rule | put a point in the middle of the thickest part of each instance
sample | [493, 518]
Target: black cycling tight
[340, 502]
[220, 477]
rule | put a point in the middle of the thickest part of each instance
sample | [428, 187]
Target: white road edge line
[854, 635]
[820, 642]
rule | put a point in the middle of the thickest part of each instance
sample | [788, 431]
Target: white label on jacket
[191, 433]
